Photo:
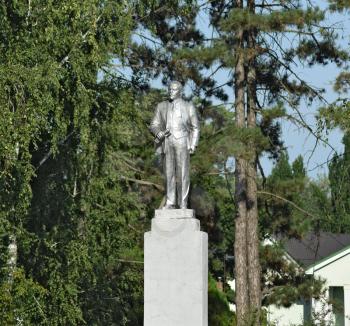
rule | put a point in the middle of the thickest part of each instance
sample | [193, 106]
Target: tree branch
[289, 202]
[144, 183]
[130, 261]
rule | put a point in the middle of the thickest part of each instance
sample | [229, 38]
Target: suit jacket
[189, 119]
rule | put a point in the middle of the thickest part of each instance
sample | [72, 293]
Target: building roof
[314, 248]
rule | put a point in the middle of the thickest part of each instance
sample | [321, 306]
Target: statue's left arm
[194, 126]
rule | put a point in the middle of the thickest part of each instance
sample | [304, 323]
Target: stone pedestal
[176, 270]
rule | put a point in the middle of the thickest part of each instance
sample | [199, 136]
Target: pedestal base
[176, 270]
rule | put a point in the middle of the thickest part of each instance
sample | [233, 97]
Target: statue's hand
[167, 133]
[160, 135]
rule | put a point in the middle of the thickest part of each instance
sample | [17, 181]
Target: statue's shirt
[176, 123]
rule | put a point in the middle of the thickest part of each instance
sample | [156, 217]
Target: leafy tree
[286, 213]
[336, 115]
[66, 131]
[218, 307]
[286, 185]
[22, 301]
[339, 180]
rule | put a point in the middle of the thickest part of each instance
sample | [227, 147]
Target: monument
[175, 250]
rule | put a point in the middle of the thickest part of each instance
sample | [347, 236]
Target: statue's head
[175, 90]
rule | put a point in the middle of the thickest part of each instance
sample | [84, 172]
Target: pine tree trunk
[241, 272]
[254, 268]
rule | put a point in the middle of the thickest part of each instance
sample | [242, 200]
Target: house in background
[324, 255]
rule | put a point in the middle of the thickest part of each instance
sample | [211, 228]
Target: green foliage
[22, 300]
[298, 168]
[327, 50]
[290, 206]
[339, 172]
[339, 5]
[342, 83]
[219, 51]
[212, 188]
[285, 282]
[218, 308]
[66, 129]
[286, 184]
[336, 115]
[84, 221]
[316, 199]
[275, 21]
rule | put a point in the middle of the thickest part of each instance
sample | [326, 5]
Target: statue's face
[175, 91]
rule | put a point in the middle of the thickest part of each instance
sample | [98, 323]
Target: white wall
[337, 273]
[286, 316]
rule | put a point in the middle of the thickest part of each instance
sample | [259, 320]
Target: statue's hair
[175, 82]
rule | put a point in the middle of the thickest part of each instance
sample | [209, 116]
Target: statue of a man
[176, 129]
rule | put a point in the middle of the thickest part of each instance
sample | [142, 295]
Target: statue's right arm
[155, 126]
